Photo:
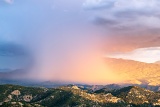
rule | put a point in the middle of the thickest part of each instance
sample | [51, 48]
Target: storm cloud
[51, 38]
[67, 39]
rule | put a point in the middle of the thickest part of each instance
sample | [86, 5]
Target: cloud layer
[125, 15]
[149, 55]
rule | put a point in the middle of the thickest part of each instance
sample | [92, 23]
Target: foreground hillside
[73, 96]
[134, 72]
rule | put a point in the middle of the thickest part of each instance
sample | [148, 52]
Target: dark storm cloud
[14, 57]
[12, 49]
[56, 32]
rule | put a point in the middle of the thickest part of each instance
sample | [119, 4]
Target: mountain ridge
[134, 72]
[74, 96]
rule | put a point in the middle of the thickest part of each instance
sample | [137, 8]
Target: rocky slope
[74, 96]
[134, 72]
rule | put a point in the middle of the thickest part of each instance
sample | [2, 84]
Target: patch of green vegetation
[75, 97]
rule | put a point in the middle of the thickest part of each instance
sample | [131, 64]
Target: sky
[68, 40]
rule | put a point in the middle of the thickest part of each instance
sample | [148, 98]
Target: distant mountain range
[134, 72]
[92, 88]
[126, 71]
[75, 96]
